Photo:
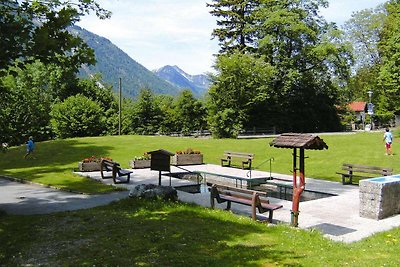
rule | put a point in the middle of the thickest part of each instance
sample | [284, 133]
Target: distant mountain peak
[113, 63]
[199, 84]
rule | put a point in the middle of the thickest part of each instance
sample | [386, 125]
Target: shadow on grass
[54, 163]
[134, 232]
[53, 153]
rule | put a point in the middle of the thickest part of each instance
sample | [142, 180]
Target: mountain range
[199, 84]
[113, 63]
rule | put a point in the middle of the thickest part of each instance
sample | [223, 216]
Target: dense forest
[280, 65]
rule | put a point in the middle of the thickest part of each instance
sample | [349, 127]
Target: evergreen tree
[235, 24]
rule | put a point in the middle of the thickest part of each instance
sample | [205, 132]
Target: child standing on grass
[30, 147]
[388, 138]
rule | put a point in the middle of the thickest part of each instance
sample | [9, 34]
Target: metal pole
[120, 106]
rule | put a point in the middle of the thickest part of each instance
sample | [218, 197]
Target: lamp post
[370, 95]
[370, 107]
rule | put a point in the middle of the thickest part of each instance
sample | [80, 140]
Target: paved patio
[336, 216]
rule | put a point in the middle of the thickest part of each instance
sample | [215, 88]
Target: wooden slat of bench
[347, 166]
[369, 171]
[264, 204]
[357, 170]
[241, 196]
[238, 154]
[230, 155]
[241, 190]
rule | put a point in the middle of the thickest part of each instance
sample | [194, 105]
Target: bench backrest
[367, 169]
[240, 193]
[109, 165]
[239, 154]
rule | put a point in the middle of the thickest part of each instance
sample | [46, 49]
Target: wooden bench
[246, 158]
[116, 170]
[362, 172]
[255, 199]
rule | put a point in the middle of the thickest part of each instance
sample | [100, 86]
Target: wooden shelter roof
[295, 140]
[161, 151]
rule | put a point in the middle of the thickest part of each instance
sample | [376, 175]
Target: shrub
[77, 116]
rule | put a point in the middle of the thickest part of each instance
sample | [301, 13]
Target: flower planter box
[140, 164]
[187, 159]
[89, 166]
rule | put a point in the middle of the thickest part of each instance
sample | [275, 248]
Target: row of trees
[33, 107]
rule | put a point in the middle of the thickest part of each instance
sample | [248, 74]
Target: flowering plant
[188, 151]
[145, 156]
[95, 159]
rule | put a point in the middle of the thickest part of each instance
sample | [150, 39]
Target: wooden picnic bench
[362, 172]
[255, 199]
[116, 171]
[246, 158]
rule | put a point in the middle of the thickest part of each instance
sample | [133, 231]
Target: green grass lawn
[57, 159]
[136, 232]
[142, 233]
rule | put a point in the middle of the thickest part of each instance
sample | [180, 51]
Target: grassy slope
[56, 159]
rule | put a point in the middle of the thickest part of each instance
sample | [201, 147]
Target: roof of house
[357, 106]
[295, 140]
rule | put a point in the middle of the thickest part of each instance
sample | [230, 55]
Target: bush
[77, 116]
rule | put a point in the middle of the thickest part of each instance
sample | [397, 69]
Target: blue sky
[156, 33]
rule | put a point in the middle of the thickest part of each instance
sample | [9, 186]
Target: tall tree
[389, 50]
[190, 112]
[35, 29]
[304, 53]
[147, 115]
[363, 32]
[243, 82]
[235, 23]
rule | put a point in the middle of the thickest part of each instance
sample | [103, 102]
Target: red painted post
[298, 187]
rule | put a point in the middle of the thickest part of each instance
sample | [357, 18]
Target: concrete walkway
[28, 199]
[335, 216]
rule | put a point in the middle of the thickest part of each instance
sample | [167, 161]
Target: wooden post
[298, 186]
[120, 106]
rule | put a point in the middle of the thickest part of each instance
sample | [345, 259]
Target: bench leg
[228, 205]
[212, 201]
[271, 213]
[344, 179]
[254, 212]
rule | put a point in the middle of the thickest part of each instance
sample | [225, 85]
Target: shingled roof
[294, 140]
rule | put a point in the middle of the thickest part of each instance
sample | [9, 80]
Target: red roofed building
[359, 108]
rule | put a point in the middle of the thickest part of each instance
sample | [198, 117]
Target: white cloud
[178, 32]
[340, 11]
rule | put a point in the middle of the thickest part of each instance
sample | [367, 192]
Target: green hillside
[113, 63]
